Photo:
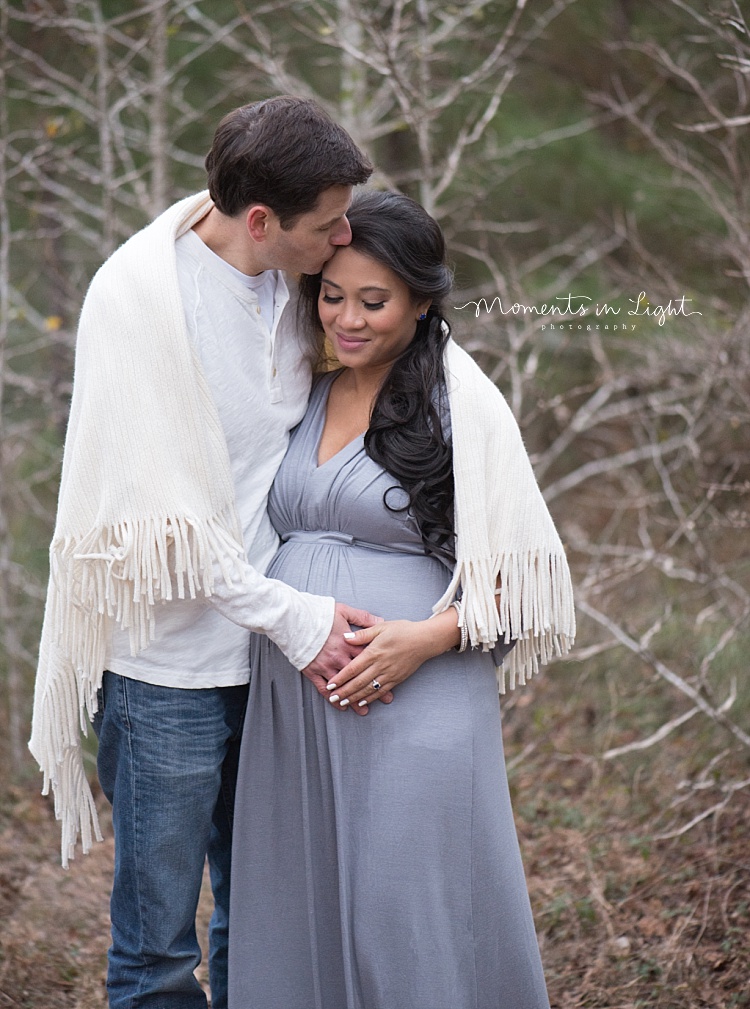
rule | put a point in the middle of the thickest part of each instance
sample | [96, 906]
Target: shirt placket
[272, 368]
[281, 297]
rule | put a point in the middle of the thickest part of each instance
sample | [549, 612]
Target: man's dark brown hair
[283, 152]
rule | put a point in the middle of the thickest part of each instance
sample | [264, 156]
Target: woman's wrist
[442, 631]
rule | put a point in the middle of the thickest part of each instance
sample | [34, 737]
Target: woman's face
[366, 311]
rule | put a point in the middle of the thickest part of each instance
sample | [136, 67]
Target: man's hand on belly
[337, 652]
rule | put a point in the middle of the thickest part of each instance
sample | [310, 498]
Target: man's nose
[342, 233]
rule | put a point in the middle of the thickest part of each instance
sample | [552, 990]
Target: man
[191, 370]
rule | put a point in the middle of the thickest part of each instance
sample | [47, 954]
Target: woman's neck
[364, 383]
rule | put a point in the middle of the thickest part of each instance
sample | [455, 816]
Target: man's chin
[315, 270]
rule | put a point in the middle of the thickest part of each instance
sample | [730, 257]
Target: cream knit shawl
[504, 533]
[147, 502]
[146, 497]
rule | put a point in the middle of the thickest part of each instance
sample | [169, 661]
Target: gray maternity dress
[375, 861]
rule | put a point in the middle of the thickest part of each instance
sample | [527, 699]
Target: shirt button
[274, 373]
[257, 309]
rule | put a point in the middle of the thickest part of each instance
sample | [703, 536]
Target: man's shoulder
[159, 234]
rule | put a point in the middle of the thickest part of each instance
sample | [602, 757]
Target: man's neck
[228, 238]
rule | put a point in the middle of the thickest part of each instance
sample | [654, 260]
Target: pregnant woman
[375, 862]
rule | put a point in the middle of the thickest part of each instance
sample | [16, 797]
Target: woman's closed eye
[334, 299]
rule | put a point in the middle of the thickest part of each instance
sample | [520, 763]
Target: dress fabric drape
[375, 863]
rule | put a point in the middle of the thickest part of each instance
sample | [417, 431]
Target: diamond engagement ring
[375, 685]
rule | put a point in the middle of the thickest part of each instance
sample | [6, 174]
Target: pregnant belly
[388, 584]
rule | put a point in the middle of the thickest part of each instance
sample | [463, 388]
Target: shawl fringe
[511, 579]
[114, 575]
[533, 608]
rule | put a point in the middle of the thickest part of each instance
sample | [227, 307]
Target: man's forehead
[332, 204]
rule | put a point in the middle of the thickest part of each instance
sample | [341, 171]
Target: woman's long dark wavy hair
[405, 435]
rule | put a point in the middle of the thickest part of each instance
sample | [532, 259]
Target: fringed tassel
[112, 576]
[534, 608]
[55, 742]
[123, 571]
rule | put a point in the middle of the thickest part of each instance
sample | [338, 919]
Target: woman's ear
[422, 310]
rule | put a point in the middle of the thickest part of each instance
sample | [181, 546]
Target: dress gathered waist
[346, 540]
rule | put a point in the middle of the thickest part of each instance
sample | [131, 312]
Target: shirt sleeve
[297, 622]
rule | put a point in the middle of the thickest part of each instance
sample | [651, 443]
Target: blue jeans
[168, 764]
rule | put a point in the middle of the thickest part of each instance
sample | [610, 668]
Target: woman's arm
[395, 649]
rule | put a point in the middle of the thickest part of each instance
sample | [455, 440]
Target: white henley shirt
[260, 381]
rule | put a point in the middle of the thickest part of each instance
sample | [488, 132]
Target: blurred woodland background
[578, 153]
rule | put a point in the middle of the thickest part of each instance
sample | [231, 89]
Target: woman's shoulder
[470, 386]
[321, 385]
[481, 417]
[441, 403]
[323, 380]
[462, 370]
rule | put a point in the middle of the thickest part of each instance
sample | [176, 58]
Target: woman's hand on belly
[395, 649]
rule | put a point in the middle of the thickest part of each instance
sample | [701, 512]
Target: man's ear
[257, 219]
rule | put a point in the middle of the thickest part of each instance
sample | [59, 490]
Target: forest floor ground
[624, 920]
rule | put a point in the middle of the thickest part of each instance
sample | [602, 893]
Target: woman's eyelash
[333, 299]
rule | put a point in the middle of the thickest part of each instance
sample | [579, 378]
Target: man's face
[315, 236]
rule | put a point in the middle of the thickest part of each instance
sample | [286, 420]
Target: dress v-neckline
[349, 445]
[321, 423]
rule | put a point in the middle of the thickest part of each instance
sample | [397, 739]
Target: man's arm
[308, 629]
[338, 651]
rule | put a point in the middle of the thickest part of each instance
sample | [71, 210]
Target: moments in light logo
[575, 307]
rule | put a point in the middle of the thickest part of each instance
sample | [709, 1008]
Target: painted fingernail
[362, 704]
[334, 698]
[331, 686]
[344, 702]
[349, 635]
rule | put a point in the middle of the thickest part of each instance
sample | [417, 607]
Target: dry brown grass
[54, 925]
[623, 921]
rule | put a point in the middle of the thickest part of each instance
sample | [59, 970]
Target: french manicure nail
[344, 702]
[331, 686]
[333, 698]
[362, 704]
[349, 635]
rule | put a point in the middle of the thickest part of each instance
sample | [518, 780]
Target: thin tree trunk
[424, 125]
[158, 125]
[105, 129]
[353, 73]
[9, 643]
